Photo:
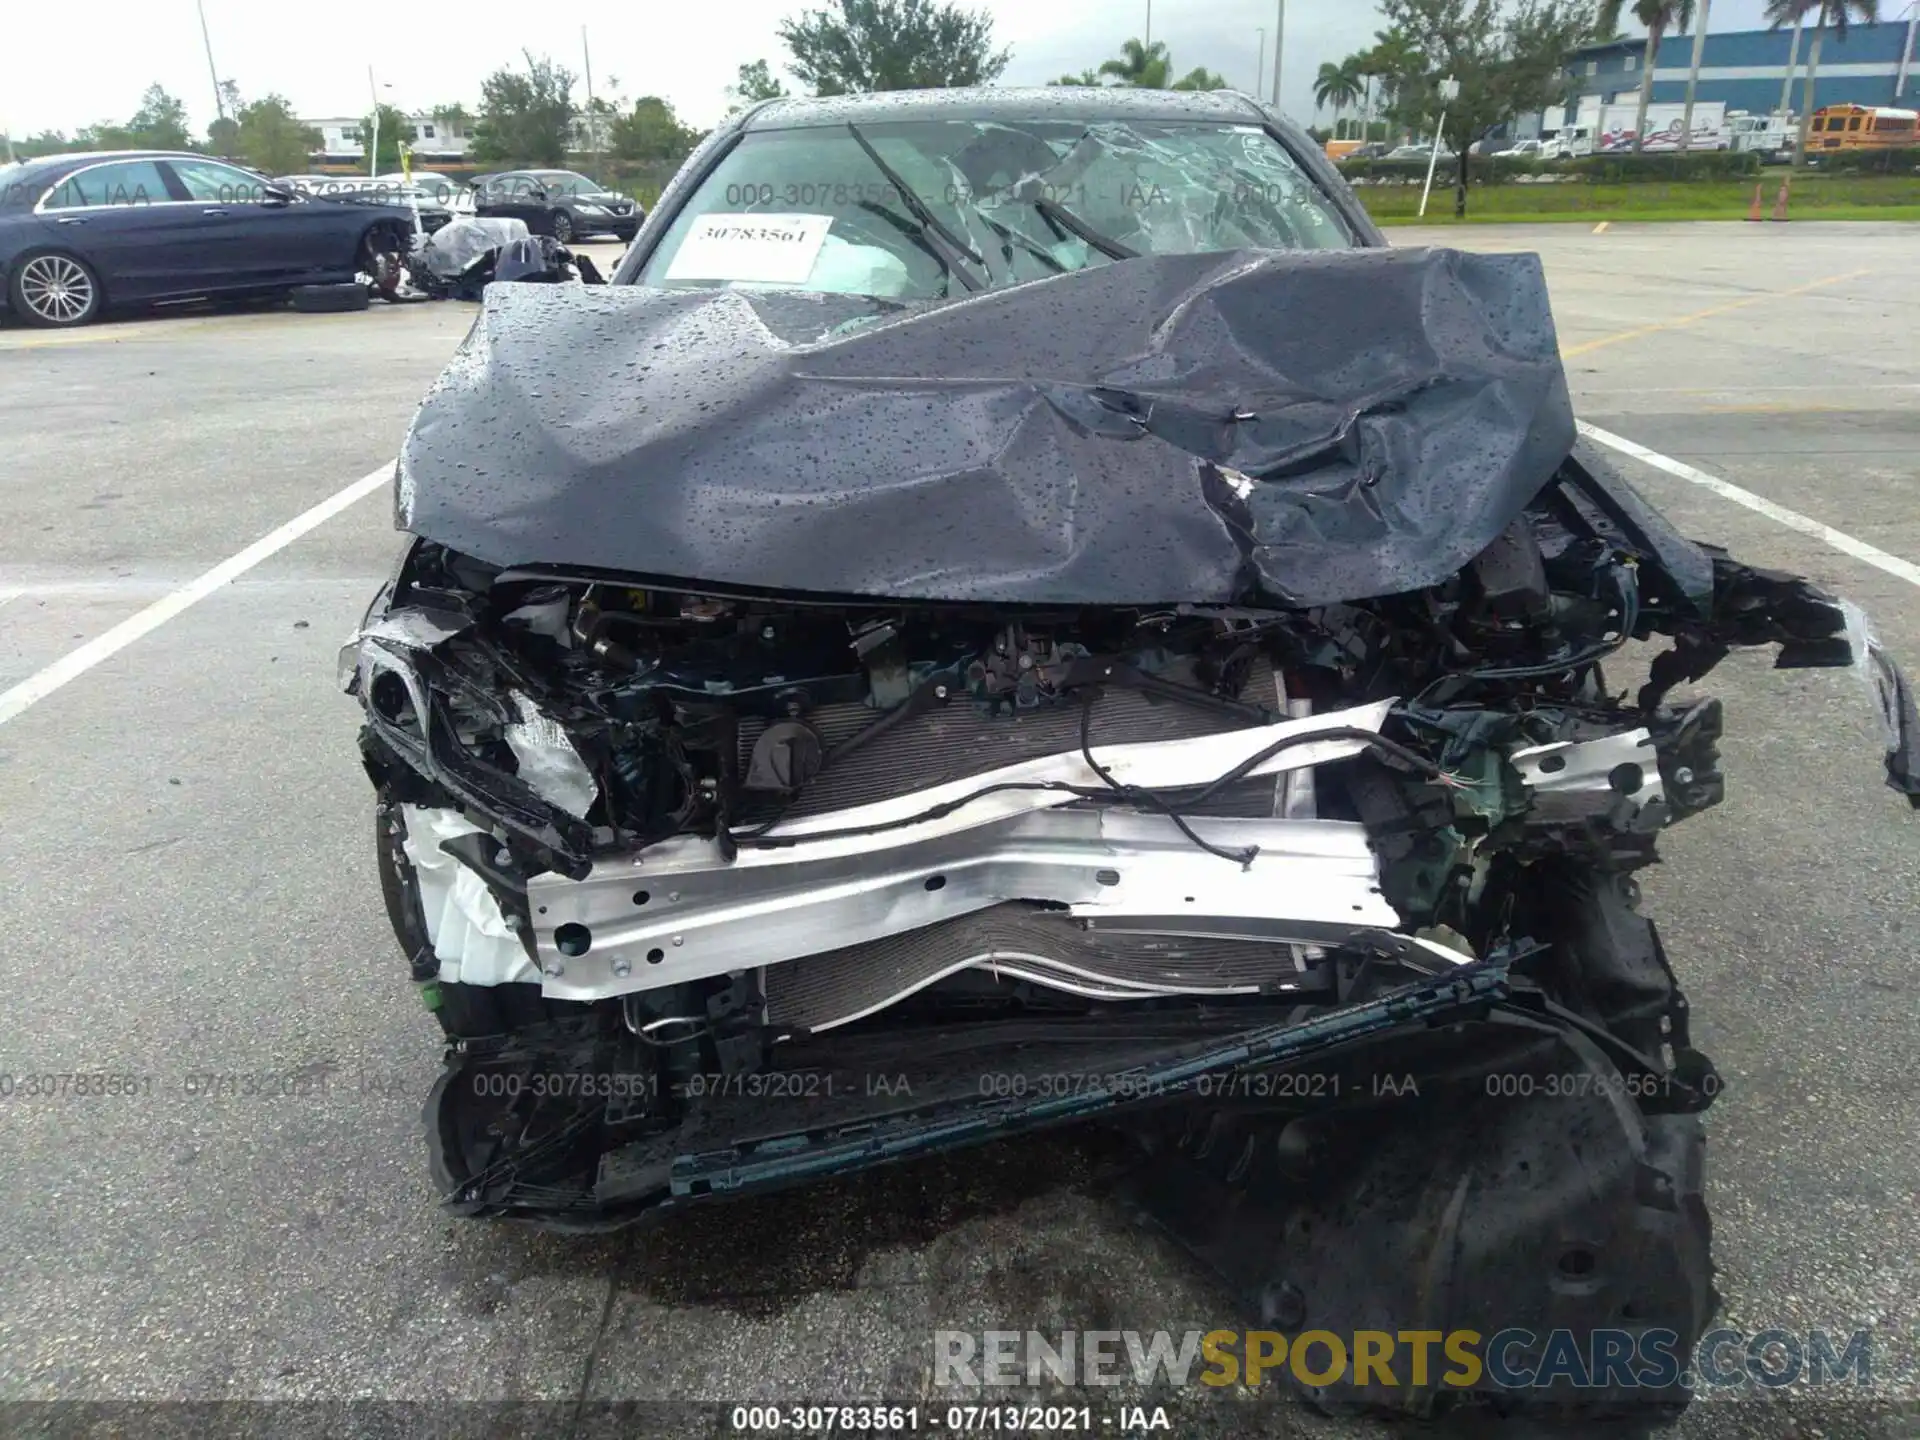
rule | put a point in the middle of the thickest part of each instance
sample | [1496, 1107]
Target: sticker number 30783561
[770, 249]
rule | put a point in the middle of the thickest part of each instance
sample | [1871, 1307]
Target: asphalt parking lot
[187, 850]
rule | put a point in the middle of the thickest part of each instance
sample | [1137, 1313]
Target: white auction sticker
[770, 249]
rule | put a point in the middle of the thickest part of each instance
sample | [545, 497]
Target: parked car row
[83, 231]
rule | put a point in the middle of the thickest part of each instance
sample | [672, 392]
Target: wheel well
[383, 226]
[13, 268]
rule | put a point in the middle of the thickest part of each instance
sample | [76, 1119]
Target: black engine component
[1448, 1208]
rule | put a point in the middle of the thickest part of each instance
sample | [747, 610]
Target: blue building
[1874, 65]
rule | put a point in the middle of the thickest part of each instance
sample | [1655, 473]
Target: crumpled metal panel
[682, 910]
[1312, 881]
[817, 992]
[1301, 427]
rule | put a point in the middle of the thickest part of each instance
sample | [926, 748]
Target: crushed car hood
[1300, 427]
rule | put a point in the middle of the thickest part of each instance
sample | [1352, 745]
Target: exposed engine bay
[717, 887]
[704, 830]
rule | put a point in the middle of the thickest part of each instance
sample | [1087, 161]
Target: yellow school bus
[1863, 127]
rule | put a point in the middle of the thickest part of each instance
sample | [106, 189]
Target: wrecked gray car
[1017, 608]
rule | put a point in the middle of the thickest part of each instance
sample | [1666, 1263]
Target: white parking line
[1726, 490]
[76, 663]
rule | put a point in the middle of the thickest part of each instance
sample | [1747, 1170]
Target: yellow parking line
[162, 327]
[133, 330]
[1588, 346]
[1808, 409]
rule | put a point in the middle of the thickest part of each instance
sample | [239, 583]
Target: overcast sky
[687, 52]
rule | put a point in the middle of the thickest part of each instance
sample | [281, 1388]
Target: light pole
[1449, 91]
[593, 119]
[1148, 41]
[1260, 73]
[219, 102]
[1279, 46]
[373, 150]
[1906, 52]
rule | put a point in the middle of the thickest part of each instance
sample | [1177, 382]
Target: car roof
[89, 157]
[45, 170]
[74, 159]
[1009, 102]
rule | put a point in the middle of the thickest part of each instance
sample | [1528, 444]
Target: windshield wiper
[951, 246]
[1034, 247]
[1065, 219]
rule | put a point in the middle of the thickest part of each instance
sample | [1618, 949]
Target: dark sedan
[560, 203]
[81, 232]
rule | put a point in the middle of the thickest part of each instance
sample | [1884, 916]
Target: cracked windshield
[918, 210]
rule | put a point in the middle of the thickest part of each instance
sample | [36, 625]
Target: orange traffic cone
[1780, 202]
[1755, 213]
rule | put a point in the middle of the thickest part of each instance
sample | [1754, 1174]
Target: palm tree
[1201, 78]
[1693, 74]
[1824, 12]
[1366, 65]
[1354, 67]
[1400, 67]
[1338, 86]
[1143, 66]
[1786, 85]
[1659, 16]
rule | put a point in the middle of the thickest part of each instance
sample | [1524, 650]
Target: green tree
[104, 135]
[1396, 62]
[223, 134]
[1337, 86]
[1659, 16]
[1366, 67]
[1089, 76]
[651, 134]
[1825, 13]
[1201, 78]
[47, 142]
[394, 127]
[160, 123]
[1507, 56]
[525, 119]
[271, 139]
[865, 45]
[756, 83]
[1140, 65]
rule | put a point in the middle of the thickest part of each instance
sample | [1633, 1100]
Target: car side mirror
[276, 195]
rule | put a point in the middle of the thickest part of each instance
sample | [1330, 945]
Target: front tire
[562, 227]
[55, 290]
